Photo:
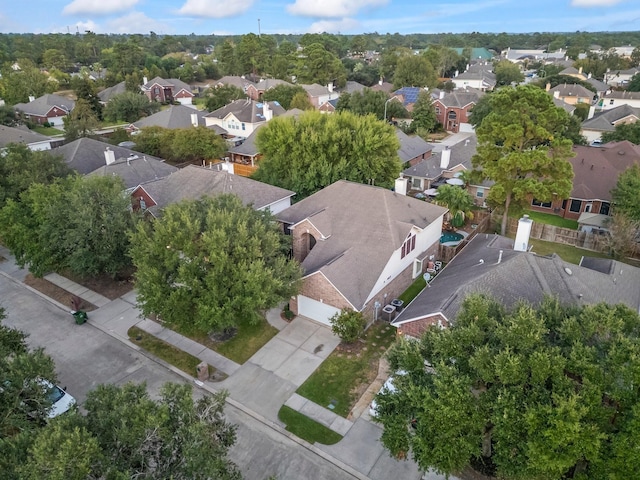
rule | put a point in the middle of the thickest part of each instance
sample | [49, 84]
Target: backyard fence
[482, 222]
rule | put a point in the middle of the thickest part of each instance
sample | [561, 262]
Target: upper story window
[452, 115]
[408, 246]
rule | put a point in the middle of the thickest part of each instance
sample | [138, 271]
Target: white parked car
[387, 387]
[61, 401]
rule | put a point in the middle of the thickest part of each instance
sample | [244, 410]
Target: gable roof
[267, 83]
[597, 84]
[358, 241]
[460, 98]
[623, 95]
[352, 87]
[241, 83]
[41, 105]
[136, 169]
[461, 154]
[511, 277]
[86, 154]
[175, 83]
[564, 105]
[110, 92]
[382, 87]
[246, 110]
[572, 90]
[411, 146]
[316, 90]
[605, 121]
[248, 147]
[176, 116]
[193, 182]
[596, 169]
[20, 135]
[478, 72]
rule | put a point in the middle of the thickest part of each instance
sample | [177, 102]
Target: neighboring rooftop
[246, 110]
[42, 105]
[607, 120]
[176, 116]
[20, 135]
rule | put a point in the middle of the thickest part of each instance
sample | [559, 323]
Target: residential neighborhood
[327, 255]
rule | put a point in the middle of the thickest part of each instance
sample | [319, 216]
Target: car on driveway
[387, 387]
[61, 401]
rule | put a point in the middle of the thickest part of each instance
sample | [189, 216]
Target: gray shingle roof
[176, 116]
[19, 135]
[241, 83]
[316, 90]
[86, 154]
[108, 93]
[246, 110]
[176, 83]
[267, 83]
[461, 97]
[248, 147]
[136, 169]
[597, 84]
[411, 146]
[352, 87]
[623, 94]
[604, 121]
[193, 182]
[362, 226]
[572, 90]
[520, 276]
[461, 154]
[41, 105]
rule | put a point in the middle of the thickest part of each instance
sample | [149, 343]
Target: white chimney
[589, 76]
[401, 185]
[456, 74]
[556, 94]
[109, 156]
[381, 81]
[592, 112]
[31, 98]
[266, 111]
[145, 80]
[330, 87]
[445, 156]
[580, 70]
[194, 119]
[441, 96]
[523, 233]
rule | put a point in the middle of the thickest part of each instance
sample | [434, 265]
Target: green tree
[424, 113]
[373, 102]
[315, 64]
[129, 107]
[20, 167]
[414, 71]
[179, 145]
[84, 89]
[24, 404]
[308, 153]
[207, 264]
[507, 73]
[17, 85]
[521, 148]
[623, 234]
[283, 94]
[301, 100]
[458, 201]
[634, 83]
[81, 122]
[54, 58]
[623, 131]
[626, 193]
[529, 393]
[75, 223]
[218, 97]
[349, 325]
[8, 116]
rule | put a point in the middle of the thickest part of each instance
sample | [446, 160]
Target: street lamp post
[385, 108]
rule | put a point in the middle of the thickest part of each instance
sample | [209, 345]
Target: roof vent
[620, 152]
[568, 271]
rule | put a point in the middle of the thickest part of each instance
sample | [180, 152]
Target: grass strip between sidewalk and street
[307, 429]
[163, 350]
[342, 378]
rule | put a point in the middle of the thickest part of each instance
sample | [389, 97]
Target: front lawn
[345, 374]
[307, 429]
[48, 131]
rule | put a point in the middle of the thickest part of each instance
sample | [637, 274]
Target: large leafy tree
[127, 434]
[522, 149]
[424, 114]
[414, 71]
[634, 83]
[84, 88]
[624, 131]
[373, 102]
[129, 107]
[531, 393]
[20, 167]
[507, 73]
[458, 201]
[284, 94]
[207, 264]
[315, 64]
[17, 85]
[308, 153]
[218, 97]
[180, 145]
[76, 223]
[81, 122]
[626, 194]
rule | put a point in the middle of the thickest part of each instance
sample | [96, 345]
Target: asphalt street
[86, 356]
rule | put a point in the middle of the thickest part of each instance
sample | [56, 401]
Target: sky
[236, 17]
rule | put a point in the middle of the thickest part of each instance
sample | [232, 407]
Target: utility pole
[258, 28]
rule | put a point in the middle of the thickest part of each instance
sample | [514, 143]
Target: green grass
[247, 341]
[161, 349]
[414, 289]
[310, 430]
[568, 253]
[550, 219]
[48, 131]
[337, 379]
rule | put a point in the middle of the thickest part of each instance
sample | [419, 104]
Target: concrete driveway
[272, 375]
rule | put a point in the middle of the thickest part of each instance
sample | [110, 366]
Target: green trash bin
[80, 316]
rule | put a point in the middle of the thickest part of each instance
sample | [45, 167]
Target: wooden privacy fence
[482, 220]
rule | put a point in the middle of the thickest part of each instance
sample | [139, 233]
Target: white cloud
[97, 7]
[346, 25]
[331, 8]
[136, 22]
[594, 3]
[215, 8]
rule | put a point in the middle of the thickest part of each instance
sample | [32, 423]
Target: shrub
[348, 325]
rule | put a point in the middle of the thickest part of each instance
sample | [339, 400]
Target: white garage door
[315, 310]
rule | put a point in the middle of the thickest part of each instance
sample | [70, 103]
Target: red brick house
[168, 91]
[363, 256]
[596, 171]
[453, 109]
[47, 108]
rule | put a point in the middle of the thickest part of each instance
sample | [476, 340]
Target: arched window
[452, 115]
